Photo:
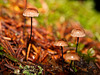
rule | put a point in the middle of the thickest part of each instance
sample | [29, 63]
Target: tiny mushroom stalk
[31, 12]
[72, 57]
[61, 44]
[78, 33]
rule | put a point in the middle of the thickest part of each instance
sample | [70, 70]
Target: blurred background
[55, 12]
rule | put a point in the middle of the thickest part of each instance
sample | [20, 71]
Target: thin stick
[24, 27]
[25, 1]
[29, 47]
[25, 6]
[31, 30]
[62, 58]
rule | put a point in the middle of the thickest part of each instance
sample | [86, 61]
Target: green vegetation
[29, 70]
[62, 10]
[89, 56]
[2, 53]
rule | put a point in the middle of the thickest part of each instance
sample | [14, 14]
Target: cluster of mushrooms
[76, 32]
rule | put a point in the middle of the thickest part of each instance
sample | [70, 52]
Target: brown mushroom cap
[78, 33]
[72, 56]
[31, 12]
[60, 43]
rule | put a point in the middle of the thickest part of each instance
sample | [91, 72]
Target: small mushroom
[72, 57]
[77, 33]
[31, 12]
[61, 44]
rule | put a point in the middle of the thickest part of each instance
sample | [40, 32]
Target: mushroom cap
[78, 33]
[60, 43]
[72, 56]
[31, 12]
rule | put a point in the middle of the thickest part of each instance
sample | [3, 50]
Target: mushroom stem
[71, 63]
[73, 67]
[31, 29]
[77, 43]
[27, 44]
[76, 49]
[62, 58]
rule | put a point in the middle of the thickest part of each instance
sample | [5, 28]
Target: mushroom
[61, 44]
[77, 33]
[31, 12]
[72, 57]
